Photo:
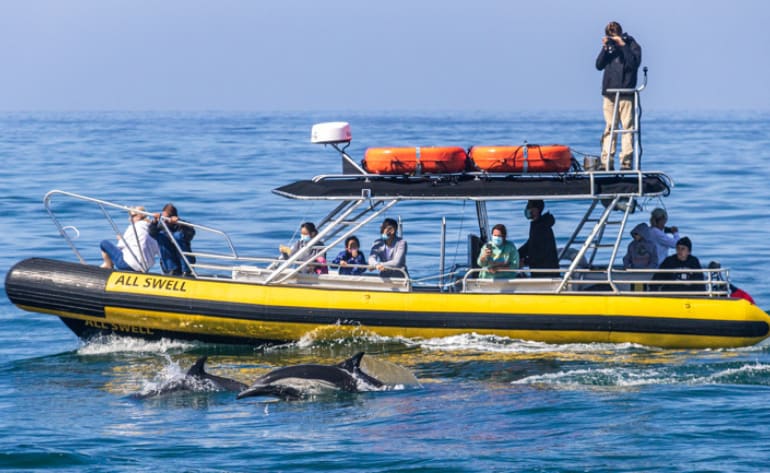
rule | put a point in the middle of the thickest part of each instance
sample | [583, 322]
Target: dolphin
[295, 382]
[196, 379]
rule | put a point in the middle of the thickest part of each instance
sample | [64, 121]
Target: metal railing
[637, 282]
[615, 134]
[104, 207]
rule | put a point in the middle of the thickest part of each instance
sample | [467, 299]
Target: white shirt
[139, 255]
[663, 241]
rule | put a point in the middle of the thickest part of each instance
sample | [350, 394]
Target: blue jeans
[115, 255]
[170, 259]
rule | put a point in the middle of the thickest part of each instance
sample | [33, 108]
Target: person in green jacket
[499, 257]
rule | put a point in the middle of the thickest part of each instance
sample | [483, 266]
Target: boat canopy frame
[582, 274]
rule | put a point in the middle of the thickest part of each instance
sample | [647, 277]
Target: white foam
[598, 377]
[497, 344]
[172, 376]
[632, 376]
[106, 344]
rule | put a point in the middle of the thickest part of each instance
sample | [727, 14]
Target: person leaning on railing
[499, 258]
[388, 253]
[170, 260]
[351, 255]
[136, 250]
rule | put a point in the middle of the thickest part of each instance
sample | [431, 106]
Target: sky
[417, 55]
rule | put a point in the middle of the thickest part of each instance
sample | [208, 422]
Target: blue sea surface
[485, 403]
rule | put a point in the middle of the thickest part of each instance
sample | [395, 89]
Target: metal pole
[443, 253]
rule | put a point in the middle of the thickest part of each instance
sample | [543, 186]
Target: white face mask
[497, 241]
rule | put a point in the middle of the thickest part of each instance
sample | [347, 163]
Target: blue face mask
[497, 241]
[528, 213]
[304, 238]
[385, 236]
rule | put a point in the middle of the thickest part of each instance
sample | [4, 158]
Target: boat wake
[497, 344]
[110, 344]
[755, 374]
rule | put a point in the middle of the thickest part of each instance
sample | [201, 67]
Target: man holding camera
[619, 58]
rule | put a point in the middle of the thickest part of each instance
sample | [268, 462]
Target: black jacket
[620, 66]
[672, 262]
[540, 250]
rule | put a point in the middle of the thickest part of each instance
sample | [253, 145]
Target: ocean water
[485, 403]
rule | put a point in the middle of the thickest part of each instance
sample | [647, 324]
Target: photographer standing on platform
[619, 58]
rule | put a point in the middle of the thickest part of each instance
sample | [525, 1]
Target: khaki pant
[626, 118]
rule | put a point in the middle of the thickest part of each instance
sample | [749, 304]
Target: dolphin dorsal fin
[353, 363]
[197, 368]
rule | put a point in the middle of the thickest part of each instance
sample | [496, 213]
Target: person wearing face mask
[307, 232]
[539, 251]
[350, 255]
[498, 258]
[388, 253]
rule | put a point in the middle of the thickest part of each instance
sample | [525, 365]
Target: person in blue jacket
[171, 260]
[351, 255]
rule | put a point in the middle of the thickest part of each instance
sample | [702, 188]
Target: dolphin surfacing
[196, 379]
[295, 382]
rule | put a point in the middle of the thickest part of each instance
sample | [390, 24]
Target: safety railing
[615, 134]
[638, 282]
[71, 232]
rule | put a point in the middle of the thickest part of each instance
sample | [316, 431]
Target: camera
[611, 45]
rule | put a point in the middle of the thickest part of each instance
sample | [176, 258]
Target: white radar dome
[330, 132]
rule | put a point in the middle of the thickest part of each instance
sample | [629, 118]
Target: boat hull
[92, 301]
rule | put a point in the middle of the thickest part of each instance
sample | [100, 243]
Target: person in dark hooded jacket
[619, 58]
[641, 253]
[539, 251]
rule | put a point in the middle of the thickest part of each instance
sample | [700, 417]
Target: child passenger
[351, 255]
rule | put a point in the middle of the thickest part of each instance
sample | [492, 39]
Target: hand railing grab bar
[637, 128]
[103, 205]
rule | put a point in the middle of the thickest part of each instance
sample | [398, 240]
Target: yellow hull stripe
[416, 302]
[145, 323]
